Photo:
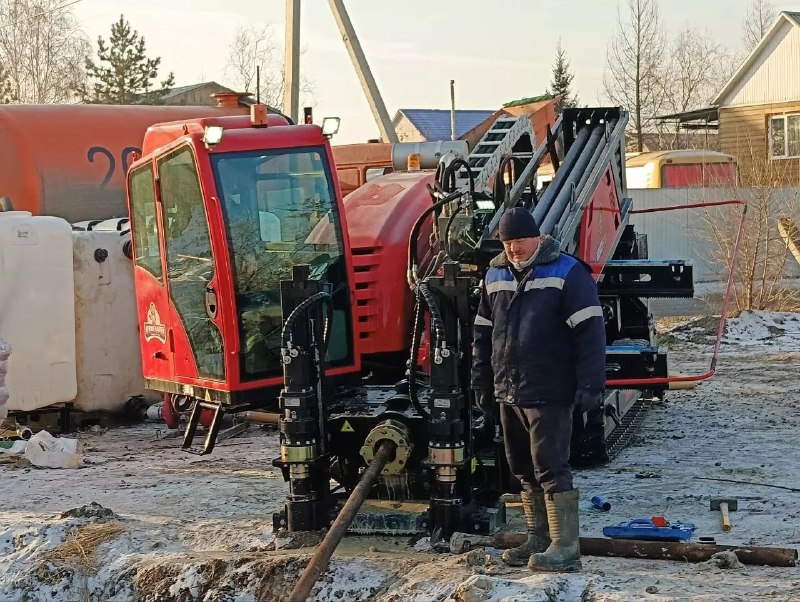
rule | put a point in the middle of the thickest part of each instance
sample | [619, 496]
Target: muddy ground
[200, 528]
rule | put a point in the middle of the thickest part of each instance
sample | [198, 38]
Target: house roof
[434, 124]
[529, 100]
[785, 16]
[678, 154]
[177, 91]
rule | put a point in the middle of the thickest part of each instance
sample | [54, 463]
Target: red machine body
[380, 216]
[215, 228]
[601, 225]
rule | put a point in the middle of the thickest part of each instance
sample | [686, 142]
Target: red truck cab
[221, 209]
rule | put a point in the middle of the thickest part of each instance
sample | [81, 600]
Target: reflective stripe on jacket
[540, 337]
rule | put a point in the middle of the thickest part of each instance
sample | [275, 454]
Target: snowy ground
[199, 529]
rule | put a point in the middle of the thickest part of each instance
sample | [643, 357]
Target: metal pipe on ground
[654, 550]
[264, 417]
[319, 562]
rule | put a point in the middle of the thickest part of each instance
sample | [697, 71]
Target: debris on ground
[199, 528]
[724, 560]
[93, 510]
[80, 547]
[45, 451]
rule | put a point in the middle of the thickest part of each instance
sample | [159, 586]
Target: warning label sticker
[346, 428]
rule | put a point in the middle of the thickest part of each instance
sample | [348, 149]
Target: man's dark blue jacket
[539, 335]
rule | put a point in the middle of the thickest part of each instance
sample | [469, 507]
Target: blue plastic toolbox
[643, 528]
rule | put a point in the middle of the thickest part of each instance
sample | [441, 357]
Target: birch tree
[634, 71]
[254, 49]
[760, 17]
[42, 50]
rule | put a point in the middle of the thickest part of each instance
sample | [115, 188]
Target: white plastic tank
[109, 363]
[5, 352]
[37, 315]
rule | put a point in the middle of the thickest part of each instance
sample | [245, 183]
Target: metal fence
[688, 235]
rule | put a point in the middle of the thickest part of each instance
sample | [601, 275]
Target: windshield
[279, 209]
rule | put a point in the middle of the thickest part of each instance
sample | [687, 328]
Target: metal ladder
[498, 142]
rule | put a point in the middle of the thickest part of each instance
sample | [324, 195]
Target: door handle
[211, 302]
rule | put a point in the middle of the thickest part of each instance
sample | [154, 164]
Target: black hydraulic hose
[500, 188]
[416, 340]
[412, 239]
[305, 304]
[326, 333]
[450, 172]
[437, 323]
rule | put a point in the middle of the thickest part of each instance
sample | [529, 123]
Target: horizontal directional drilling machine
[429, 439]
[257, 282]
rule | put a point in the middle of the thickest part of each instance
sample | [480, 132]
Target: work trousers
[537, 442]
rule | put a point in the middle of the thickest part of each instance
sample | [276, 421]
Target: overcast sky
[495, 50]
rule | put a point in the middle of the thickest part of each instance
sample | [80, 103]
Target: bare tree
[696, 69]
[694, 74]
[634, 64]
[763, 258]
[254, 47]
[43, 49]
[759, 19]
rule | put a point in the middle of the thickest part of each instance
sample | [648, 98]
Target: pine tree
[124, 74]
[561, 84]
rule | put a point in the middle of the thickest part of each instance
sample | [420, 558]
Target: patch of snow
[780, 331]
[536, 588]
[351, 580]
[189, 581]
[423, 545]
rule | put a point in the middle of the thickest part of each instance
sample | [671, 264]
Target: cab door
[151, 291]
[191, 271]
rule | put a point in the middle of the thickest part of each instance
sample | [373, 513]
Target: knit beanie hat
[517, 223]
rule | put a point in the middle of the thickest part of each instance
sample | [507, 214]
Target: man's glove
[589, 399]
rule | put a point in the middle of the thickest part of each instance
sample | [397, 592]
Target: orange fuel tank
[70, 160]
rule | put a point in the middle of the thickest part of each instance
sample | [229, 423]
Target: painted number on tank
[125, 157]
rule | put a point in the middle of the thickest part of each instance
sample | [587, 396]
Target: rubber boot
[564, 553]
[536, 522]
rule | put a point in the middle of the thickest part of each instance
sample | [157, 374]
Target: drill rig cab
[221, 209]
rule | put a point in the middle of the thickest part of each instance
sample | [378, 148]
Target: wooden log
[666, 550]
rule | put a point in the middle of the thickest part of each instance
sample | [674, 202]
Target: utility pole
[452, 109]
[362, 70]
[291, 67]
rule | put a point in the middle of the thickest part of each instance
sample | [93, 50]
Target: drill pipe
[319, 562]
[563, 172]
[664, 550]
[579, 175]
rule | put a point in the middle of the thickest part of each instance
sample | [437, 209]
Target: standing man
[539, 350]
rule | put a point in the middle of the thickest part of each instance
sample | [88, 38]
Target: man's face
[519, 250]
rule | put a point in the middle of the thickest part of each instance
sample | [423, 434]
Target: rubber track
[631, 421]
